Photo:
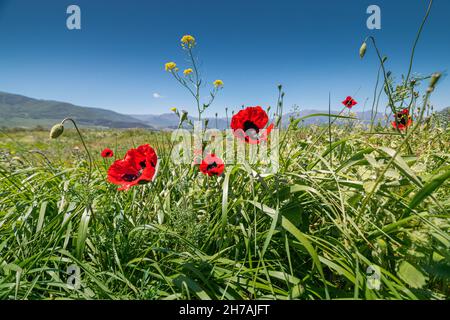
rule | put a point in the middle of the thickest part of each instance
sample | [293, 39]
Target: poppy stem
[387, 87]
[417, 40]
[226, 114]
[374, 113]
[329, 127]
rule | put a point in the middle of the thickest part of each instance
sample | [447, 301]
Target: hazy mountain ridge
[170, 120]
[21, 111]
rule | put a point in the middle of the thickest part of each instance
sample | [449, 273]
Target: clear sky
[116, 60]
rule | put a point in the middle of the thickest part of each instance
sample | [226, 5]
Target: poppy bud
[206, 122]
[56, 131]
[280, 87]
[362, 50]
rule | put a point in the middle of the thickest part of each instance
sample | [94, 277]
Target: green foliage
[301, 233]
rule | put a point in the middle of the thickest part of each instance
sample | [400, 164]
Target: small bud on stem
[362, 50]
[56, 131]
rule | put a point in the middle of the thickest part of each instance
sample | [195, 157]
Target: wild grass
[301, 233]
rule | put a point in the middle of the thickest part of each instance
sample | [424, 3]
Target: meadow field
[309, 231]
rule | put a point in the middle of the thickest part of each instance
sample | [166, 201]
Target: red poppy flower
[212, 165]
[349, 102]
[137, 167]
[107, 153]
[248, 125]
[402, 120]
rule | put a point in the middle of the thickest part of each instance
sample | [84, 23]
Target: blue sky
[311, 47]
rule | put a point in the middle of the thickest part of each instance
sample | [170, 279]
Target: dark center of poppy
[129, 177]
[402, 119]
[250, 125]
[211, 166]
[349, 103]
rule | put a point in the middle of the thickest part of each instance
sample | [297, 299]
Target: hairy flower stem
[226, 114]
[329, 128]
[388, 89]
[417, 40]
[415, 43]
[373, 114]
[85, 148]
[197, 84]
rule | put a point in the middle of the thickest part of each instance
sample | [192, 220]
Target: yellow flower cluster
[170, 66]
[218, 83]
[188, 41]
[187, 71]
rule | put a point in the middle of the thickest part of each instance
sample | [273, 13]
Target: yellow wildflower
[187, 41]
[187, 71]
[218, 83]
[170, 66]
[173, 109]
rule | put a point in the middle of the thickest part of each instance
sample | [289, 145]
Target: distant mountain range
[21, 111]
[17, 111]
[170, 120]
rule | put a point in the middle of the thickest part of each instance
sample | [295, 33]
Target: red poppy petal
[207, 161]
[139, 163]
[147, 174]
[252, 141]
[107, 153]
